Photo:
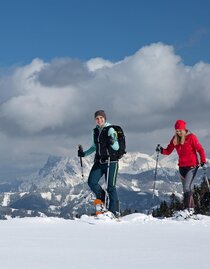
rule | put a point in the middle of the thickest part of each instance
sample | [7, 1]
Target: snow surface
[138, 241]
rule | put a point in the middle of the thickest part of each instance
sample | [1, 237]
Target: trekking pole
[83, 182]
[106, 202]
[154, 183]
[155, 177]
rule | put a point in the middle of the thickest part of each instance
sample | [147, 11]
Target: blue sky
[112, 29]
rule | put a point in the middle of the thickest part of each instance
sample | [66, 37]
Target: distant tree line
[201, 197]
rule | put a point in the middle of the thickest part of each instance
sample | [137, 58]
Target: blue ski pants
[97, 171]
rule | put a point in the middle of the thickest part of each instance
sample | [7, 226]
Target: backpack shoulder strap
[111, 126]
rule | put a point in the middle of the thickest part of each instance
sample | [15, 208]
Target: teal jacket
[111, 133]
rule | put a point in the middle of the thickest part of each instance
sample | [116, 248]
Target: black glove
[110, 140]
[81, 152]
[204, 166]
[159, 149]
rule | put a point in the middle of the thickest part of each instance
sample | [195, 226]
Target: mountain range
[58, 188]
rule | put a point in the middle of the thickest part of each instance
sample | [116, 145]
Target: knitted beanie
[100, 113]
[180, 125]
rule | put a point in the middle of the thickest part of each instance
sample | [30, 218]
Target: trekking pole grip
[81, 164]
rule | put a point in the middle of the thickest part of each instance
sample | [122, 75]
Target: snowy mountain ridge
[66, 171]
[136, 162]
[58, 189]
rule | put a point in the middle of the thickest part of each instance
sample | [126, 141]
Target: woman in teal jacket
[105, 146]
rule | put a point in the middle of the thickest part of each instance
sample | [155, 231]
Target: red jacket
[188, 151]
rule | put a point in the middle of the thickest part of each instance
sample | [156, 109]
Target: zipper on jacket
[99, 147]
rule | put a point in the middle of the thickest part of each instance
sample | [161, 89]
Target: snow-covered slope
[139, 241]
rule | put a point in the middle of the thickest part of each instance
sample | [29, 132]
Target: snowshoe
[102, 213]
[108, 215]
[99, 206]
[185, 214]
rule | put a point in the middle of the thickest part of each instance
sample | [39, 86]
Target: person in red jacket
[187, 147]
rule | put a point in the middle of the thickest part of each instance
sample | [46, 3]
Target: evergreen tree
[162, 211]
[127, 211]
[165, 210]
[201, 197]
[175, 204]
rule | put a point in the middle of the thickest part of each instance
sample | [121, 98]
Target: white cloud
[98, 63]
[145, 93]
